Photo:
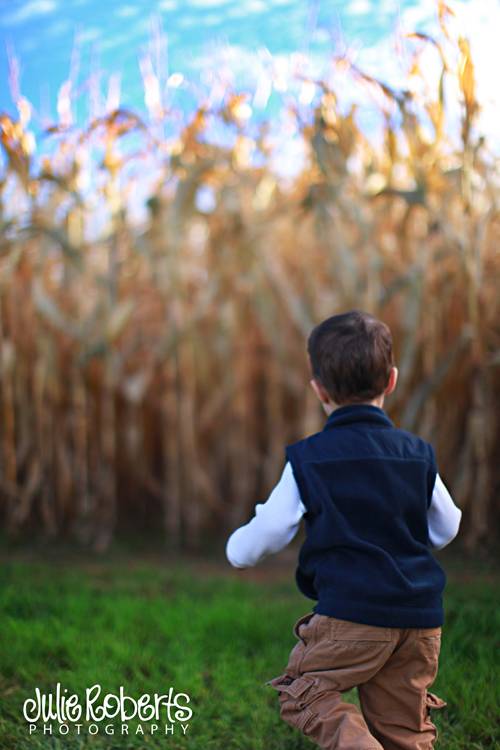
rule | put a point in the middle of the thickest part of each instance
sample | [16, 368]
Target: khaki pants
[391, 668]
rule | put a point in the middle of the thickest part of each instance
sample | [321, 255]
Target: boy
[373, 505]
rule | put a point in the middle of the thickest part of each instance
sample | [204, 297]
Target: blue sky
[255, 45]
[203, 36]
[113, 34]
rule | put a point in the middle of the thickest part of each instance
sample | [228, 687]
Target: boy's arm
[443, 516]
[273, 526]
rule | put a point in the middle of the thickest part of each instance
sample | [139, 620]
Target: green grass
[217, 635]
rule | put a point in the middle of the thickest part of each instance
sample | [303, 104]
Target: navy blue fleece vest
[366, 486]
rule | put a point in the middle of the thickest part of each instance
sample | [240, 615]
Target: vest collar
[357, 413]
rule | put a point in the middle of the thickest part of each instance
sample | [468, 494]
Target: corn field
[157, 374]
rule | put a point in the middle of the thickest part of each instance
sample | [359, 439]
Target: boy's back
[367, 487]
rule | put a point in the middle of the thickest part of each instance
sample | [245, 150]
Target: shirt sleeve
[273, 526]
[443, 516]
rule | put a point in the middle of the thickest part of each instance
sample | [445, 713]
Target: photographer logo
[64, 713]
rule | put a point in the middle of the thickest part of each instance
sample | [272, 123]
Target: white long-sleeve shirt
[277, 521]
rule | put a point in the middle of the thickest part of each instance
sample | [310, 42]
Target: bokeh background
[186, 189]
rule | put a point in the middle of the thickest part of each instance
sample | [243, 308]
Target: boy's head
[351, 360]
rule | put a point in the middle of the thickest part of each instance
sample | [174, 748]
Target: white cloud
[235, 57]
[185, 22]
[195, 19]
[235, 12]
[109, 42]
[422, 13]
[26, 11]
[211, 19]
[88, 35]
[388, 6]
[56, 28]
[127, 11]
[320, 35]
[167, 5]
[256, 6]
[358, 8]
[209, 3]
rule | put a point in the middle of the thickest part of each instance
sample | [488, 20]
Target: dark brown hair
[351, 356]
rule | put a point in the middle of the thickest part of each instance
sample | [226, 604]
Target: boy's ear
[319, 391]
[314, 386]
[393, 379]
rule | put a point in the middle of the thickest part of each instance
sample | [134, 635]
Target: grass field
[215, 633]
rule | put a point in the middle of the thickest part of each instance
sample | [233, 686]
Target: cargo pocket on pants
[293, 692]
[432, 701]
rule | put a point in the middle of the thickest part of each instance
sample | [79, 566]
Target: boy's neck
[331, 407]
